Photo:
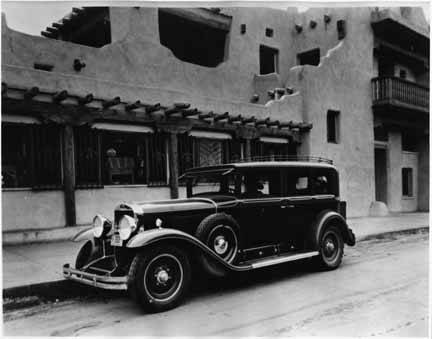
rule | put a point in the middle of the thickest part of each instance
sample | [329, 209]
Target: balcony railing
[401, 92]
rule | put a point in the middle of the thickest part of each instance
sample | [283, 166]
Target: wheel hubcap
[220, 244]
[330, 246]
[223, 240]
[162, 276]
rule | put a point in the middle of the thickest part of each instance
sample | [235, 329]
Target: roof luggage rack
[306, 158]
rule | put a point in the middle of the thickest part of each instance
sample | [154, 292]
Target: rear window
[324, 181]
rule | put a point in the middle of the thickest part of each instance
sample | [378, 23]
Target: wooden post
[247, 153]
[69, 175]
[173, 164]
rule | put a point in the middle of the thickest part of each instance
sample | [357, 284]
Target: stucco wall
[341, 82]
[136, 66]
[90, 202]
[27, 209]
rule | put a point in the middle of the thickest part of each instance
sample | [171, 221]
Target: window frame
[407, 186]
[45, 135]
[275, 55]
[333, 120]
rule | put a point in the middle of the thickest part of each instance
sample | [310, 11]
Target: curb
[41, 235]
[382, 235]
[34, 294]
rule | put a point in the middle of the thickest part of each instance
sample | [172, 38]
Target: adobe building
[113, 103]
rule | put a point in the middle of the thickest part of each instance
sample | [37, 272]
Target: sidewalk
[25, 265]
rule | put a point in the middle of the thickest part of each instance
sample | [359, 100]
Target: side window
[324, 182]
[256, 184]
[297, 182]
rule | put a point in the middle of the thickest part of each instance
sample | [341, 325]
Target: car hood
[176, 205]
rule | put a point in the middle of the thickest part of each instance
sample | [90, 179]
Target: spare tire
[220, 232]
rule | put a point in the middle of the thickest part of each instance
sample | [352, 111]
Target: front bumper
[101, 281]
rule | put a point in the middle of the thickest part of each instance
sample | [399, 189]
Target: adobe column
[69, 175]
[394, 174]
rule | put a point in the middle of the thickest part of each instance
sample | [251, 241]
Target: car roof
[265, 164]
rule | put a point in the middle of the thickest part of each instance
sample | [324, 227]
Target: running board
[280, 259]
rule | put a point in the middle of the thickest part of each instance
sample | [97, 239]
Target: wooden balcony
[399, 93]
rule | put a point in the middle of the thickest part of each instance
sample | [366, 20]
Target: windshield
[209, 183]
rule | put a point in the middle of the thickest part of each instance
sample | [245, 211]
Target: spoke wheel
[331, 248]
[163, 277]
[159, 278]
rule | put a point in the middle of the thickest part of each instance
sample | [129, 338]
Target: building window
[31, 156]
[196, 152]
[380, 133]
[402, 73]
[409, 142]
[87, 157]
[311, 57]
[407, 182]
[132, 158]
[269, 59]
[271, 150]
[191, 41]
[333, 126]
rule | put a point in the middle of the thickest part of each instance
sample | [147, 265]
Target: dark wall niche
[269, 32]
[311, 57]
[191, 41]
[269, 58]
[341, 29]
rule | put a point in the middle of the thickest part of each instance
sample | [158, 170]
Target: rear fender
[331, 217]
[167, 235]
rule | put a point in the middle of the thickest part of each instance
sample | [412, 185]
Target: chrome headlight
[126, 226]
[101, 226]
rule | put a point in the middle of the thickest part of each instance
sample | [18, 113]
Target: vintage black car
[237, 217]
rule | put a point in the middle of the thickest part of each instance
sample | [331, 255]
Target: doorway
[381, 175]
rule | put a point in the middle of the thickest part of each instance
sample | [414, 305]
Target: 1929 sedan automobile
[236, 217]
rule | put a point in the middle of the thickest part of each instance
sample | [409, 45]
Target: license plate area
[116, 240]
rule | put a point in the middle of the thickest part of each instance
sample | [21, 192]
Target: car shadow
[204, 284]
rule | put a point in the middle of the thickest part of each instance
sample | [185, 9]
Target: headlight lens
[126, 226]
[98, 225]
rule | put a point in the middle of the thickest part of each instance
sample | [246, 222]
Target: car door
[296, 204]
[259, 208]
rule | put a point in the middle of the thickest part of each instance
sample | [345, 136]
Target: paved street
[380, 290]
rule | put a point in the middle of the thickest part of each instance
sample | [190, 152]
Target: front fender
[168, 234]
[326, 217]
[86, 234]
